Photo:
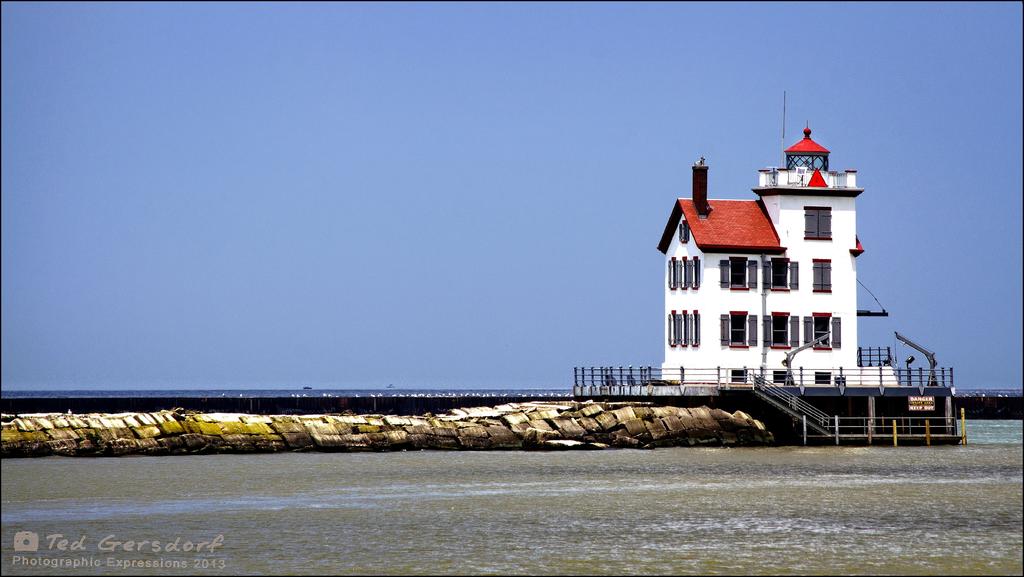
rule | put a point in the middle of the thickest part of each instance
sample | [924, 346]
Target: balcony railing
[770, 177]
[741, 377]
[874, 357]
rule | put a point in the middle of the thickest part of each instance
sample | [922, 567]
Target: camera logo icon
[26, 541]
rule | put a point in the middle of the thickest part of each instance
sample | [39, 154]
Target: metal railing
[921, 377]
[791, 404]
[740, 377]
[874, 357]
[793, 177]
[881, 426]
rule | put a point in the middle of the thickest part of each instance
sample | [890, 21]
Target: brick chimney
[700, 188]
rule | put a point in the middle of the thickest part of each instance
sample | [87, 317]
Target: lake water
[908, 510]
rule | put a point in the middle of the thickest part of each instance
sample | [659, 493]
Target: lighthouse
[761, 313]
[747, 281]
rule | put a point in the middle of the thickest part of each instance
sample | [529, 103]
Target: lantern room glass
[811, 161]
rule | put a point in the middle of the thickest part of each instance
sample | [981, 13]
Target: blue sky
[347, 195]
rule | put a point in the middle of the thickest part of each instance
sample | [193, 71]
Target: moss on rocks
[535, 425]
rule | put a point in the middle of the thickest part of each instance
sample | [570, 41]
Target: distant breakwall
[297, 405]
[975, 407]
[533, 425]
[991, 407]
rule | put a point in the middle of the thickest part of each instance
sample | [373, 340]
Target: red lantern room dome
[807, 145]
[807, 153]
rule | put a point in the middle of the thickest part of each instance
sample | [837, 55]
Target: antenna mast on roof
[783, 128]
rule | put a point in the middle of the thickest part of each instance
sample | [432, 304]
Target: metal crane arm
[788, 363]
[928, 354]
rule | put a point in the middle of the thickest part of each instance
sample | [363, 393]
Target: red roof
[807, 145]
[732, 226]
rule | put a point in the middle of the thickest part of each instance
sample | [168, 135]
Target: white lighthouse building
[747, 281]
[761, 314]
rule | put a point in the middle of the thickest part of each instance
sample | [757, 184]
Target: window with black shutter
[817, 223]
[780, 273]
[821, 329]
[780, 330]
[738, 329]
[822, 275]
[738, 272]
[676, 329]
[684, 232]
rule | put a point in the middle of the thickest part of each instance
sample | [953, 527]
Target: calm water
[779, 510]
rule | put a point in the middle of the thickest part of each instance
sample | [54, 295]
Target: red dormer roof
[807, 146]
[817, 180]
[731, 226]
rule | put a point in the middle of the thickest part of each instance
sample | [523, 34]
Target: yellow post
[894, 433]
[963, 427]
[927, 433]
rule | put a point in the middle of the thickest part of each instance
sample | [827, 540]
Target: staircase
[792, 405]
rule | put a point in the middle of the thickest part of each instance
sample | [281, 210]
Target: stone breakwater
[532, 425]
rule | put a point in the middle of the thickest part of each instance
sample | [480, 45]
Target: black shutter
[687, 273]
[794, 275]
[836, 333]
[752, 274]
[670, 328]
[671, 272]
[766, 334]
[725, 330]
[766, 275]
[826, 275]
[794, 331]
[752, 330]
[696, 329]
[723, 273]
[810, 222]
[825, 223]
[696, 272]
[808, 329]
[684, 232]
[686, 328]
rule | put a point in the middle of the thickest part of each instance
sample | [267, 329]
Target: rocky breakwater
[534, 425]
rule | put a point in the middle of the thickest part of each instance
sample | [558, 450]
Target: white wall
[787, 213]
